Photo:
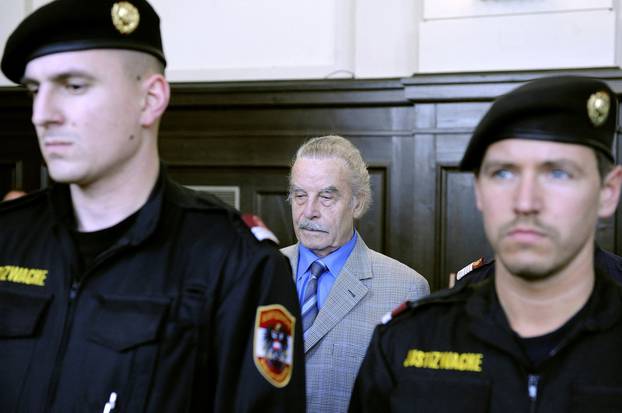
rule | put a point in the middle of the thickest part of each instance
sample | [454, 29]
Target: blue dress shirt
[334, 261]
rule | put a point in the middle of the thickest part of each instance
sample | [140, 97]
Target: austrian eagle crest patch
[273, 345]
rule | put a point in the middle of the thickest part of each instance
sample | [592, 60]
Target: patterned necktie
[309, 301]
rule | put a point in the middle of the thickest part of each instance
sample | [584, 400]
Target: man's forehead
[319, 174]
[319, 166]
[535, 150]
[81, 62]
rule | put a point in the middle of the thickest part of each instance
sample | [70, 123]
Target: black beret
[71, 25]
[567, 109]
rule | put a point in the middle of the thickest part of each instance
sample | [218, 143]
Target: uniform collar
[146, 219]
[488, 322]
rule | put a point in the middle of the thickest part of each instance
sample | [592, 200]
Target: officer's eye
[32, 89]
[502, 174]
[75, 87]
[557, 173]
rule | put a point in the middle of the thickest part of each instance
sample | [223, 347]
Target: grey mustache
[311, 226]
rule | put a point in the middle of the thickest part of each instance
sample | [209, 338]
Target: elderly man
[344, 287]
[544, 333]
[121, 290]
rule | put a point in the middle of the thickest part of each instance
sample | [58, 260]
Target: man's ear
[157, 94]
[357, 206]
[610, 192]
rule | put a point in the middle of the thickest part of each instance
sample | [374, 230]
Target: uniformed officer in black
[120, 290]
[544, 333]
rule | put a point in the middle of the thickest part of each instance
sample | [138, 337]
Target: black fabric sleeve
[374, 381]
[258, 282]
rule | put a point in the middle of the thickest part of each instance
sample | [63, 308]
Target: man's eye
[502, 174]
[327, 200]
[560, 174]
[75, 87]
[32, 90]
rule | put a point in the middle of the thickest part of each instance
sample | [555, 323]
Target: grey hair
[333, 146]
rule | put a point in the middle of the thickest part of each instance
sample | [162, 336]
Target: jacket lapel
[345, 294]
[291, 253]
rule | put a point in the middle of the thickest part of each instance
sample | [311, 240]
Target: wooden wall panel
[10, 175]
[459, 223]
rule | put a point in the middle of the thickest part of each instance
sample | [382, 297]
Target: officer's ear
[156, 95]
[610, 192]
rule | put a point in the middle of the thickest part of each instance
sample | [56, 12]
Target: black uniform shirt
[187, 311]
[455, 352]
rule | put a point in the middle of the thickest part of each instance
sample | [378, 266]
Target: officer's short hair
[74, 25]
[566, 109]
[332, 146]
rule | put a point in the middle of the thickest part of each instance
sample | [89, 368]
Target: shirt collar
[334, 261]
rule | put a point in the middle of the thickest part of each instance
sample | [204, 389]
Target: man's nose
[45, 108]
[527, 198]
[311, 209]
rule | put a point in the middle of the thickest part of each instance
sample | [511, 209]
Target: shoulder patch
[258, 228]
[273, 344]
[472, 266]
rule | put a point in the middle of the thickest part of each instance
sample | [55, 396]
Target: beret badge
[598, 107]
[125, 17]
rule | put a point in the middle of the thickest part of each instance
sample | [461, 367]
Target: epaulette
[22, 201]
[13, 194]
[395, 312]
[435, 297]
[258, 228]
[472, 266]
[193, 198]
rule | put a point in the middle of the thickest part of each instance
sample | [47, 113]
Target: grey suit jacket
[369, 285]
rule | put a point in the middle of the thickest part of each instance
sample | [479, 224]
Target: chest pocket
[21, 317]
[125, 333]
[443, 394]
[591, 398]
[121, 323]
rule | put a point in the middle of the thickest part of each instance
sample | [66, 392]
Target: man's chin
[528, 268]
[530, 264]
[531, 274]
[312, 243]
[63, 176]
